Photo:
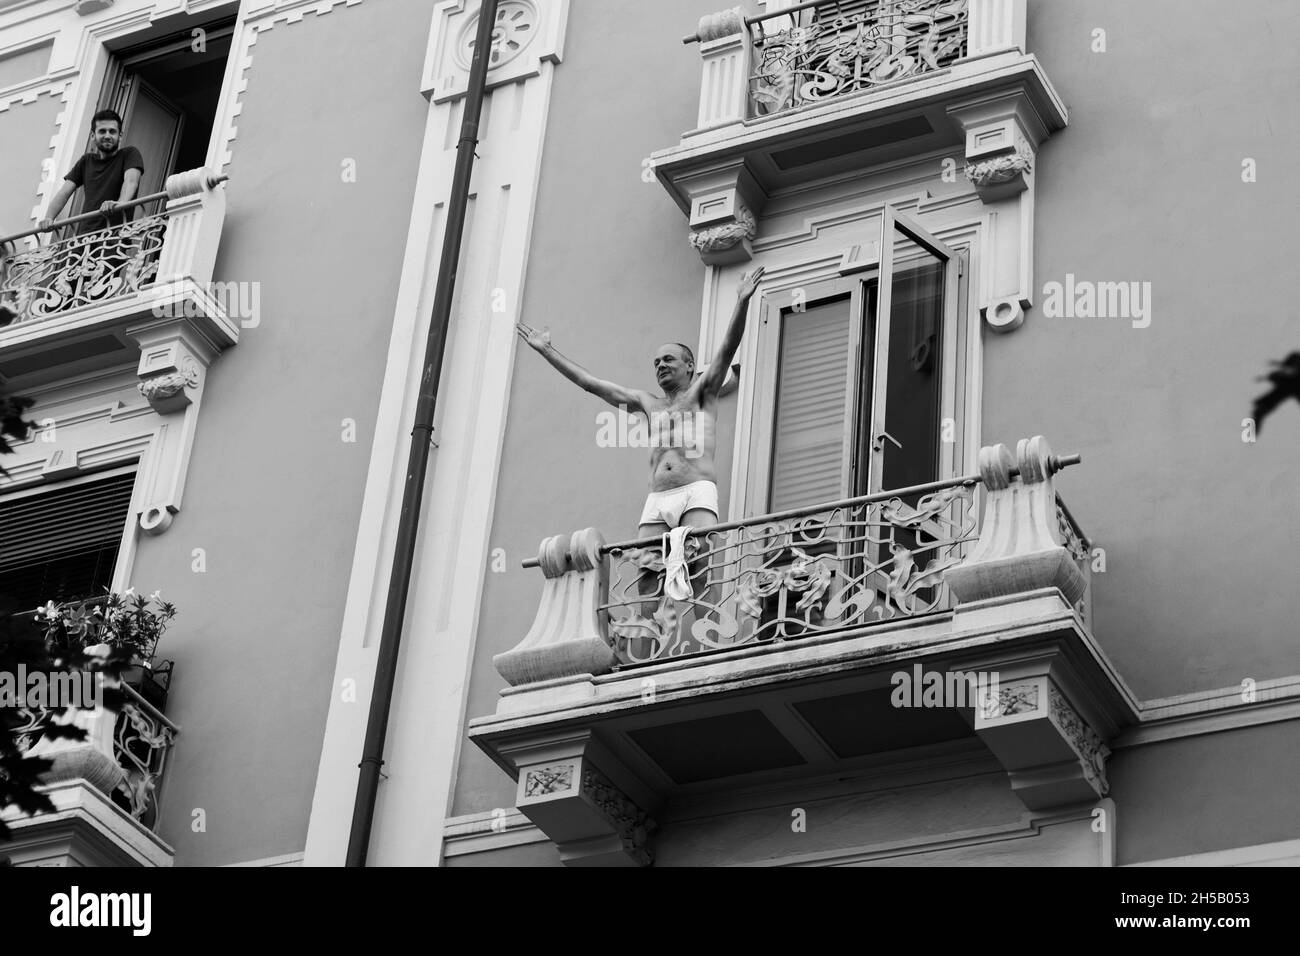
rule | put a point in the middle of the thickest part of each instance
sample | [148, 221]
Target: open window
[167, 90]
[858, 379]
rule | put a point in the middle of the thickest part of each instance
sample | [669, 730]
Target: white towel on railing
[677, 577]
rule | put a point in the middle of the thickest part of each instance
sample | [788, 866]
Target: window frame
[756, 431]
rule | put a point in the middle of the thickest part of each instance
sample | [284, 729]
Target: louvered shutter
[63, 522]
[812, 404]
[829, 12]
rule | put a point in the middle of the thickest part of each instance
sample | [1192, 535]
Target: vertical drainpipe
[399, 583]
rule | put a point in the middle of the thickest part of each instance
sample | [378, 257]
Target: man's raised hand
[538, 340]
[749, 284]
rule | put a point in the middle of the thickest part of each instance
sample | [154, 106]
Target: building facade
[920, 635]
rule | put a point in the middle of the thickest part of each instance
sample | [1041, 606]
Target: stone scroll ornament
[726, 235]
[161, 387]
[1000, 169]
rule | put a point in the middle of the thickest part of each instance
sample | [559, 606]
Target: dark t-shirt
[101, 179]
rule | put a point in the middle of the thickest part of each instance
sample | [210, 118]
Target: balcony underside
[857, 131]
[805, 709]
[96, 337]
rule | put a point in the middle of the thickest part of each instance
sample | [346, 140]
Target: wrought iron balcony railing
[74, 271]
[1080, 551]
[81, 270]
[795, 574]
[816, 51]
[139, 740]
[836, 567]
[825, 50]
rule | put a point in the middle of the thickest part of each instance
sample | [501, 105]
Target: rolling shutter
[63, 522]
[61, 542]
[812, 407]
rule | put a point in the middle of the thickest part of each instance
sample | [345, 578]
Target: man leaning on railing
[110, 176]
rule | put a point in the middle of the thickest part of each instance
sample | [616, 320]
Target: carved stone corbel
[569, 634]
[725, 203]
[1019, 547]
[585, 800]
[727, 242]
[1003, 175]
[1053, 756]
[167, 393]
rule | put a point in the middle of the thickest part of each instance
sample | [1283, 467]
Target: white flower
[156, 596]
[128, 591]
[50, 610]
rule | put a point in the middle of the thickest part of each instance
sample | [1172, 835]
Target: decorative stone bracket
[564, 789]
[725, 202]
[568, 636]
[1050, 709]
[1003, 132]
[1019, 547]
[1052, 755]
[190, 328]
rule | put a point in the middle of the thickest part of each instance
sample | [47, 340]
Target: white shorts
[669, 506]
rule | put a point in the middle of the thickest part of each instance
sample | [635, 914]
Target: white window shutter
[812, 405]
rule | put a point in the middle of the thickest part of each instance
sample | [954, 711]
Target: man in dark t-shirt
[110, 176]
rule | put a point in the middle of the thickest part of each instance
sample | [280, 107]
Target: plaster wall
[1144, 185]
[274, 489]
[25, 131]
[1211, 792]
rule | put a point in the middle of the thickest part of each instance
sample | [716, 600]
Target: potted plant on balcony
[123, 630]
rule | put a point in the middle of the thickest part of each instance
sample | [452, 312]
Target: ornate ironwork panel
[1081, 551]
[775, 580]
[81, 270]
[836, 53]
[142, 739]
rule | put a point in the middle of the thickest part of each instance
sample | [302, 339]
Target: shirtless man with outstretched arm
[683, 482]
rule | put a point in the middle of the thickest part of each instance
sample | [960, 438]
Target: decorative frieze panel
[527, 33]
[592, 820]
